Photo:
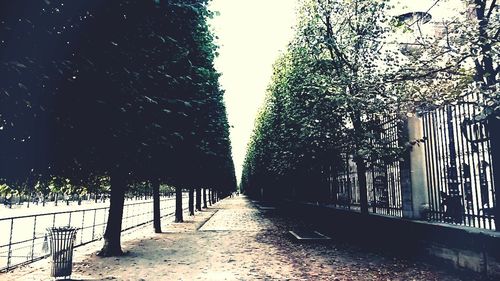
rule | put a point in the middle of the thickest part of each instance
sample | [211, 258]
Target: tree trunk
[209, 197]
[156, 206]
[198, 199]
[363, 194]
[485, 69]
[178, 204]
[213, 196]
[360, 163]
[205, 198]
[191, 202]
[112, 235]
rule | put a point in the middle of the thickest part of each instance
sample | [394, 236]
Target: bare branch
[490, 10]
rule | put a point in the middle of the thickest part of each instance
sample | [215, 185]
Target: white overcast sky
[252, 33]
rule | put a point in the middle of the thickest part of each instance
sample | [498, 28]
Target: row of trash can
[61, 242]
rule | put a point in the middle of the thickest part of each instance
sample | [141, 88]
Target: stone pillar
[493, 125]
[418, 176]
[405, 170]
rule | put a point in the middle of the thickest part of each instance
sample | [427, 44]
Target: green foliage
[324, 92]
[350, 68]
[122, 88]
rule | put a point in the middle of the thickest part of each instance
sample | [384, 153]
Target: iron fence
[346, 193]
[459, 165]
[26, 240]
[383, 178]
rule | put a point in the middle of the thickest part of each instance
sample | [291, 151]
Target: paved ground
[234, 240]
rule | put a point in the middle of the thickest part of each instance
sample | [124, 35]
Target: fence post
[93, 225]
[9, 251]
[34, 237]
[418, 175]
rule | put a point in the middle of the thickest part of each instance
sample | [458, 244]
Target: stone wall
[459, 247]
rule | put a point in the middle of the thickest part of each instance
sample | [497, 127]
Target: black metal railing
[347, 192]
[24, 238]
[459, 165]
[383, 179]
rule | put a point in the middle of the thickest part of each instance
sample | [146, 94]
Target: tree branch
[490, 10]
[332, 48]
[428, 74]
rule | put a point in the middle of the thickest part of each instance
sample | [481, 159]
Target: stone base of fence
[463, 248]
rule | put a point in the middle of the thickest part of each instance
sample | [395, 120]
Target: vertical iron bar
[474, 177]
[34, 237]
[9, 250]
[428, 160]
[453, 174]
[486, 167]
[374, 200]
[460, 164]
[440, 158]
[436, 172]
[463, 172]
[348, 174]
[83, 225]
[396, 169]
[444, 164]
[445, 157]
[93, 225]
[480, 157]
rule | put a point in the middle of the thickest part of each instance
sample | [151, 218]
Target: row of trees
[352, 64]
[114, 93]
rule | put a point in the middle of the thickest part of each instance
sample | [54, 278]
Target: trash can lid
[61, 228]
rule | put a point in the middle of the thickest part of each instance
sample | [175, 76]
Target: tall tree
[138, 67]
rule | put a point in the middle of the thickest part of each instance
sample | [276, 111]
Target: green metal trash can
[61, 244]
